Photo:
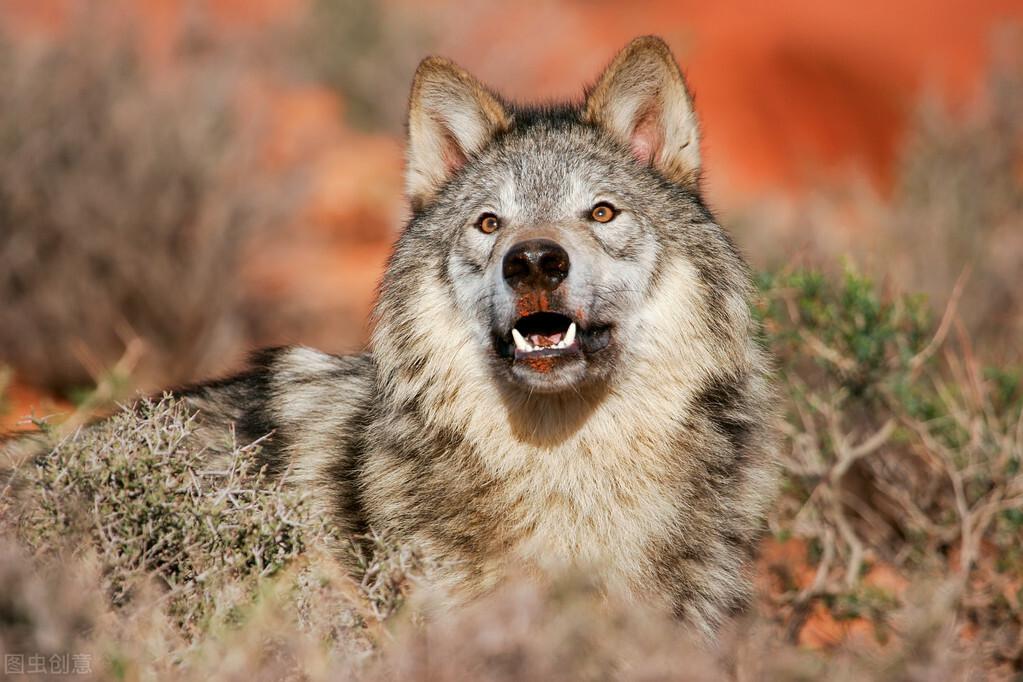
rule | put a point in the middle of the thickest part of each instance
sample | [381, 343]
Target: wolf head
[552, 248]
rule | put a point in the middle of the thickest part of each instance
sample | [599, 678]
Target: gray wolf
[563, 371]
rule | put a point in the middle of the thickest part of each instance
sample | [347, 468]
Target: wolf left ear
[451, 118]
[643, 101]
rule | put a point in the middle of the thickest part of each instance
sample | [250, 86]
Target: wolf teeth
[523, 344]
[520, 341]
[569, 337]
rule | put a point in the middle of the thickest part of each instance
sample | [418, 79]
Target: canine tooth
[569, 336]
[520, 341]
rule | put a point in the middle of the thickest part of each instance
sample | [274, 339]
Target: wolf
[564, 370]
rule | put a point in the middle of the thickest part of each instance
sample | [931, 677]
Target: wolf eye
[488, 223]
[603, 212]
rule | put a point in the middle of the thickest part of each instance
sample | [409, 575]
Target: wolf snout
[537, 264]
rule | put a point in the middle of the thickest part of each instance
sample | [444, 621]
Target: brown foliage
[126, 202]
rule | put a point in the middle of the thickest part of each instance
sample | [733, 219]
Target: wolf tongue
[543, 340]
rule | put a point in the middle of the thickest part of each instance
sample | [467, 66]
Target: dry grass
[157, 507]
[184, 552]
[893, 551]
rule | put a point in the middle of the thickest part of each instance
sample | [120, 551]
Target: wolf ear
[643, 101]
[451, 117]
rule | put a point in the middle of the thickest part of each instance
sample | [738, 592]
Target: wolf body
[563, 371]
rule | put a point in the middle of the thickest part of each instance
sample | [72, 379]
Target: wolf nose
[536, 264]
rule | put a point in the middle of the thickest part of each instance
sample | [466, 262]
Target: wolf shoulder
[291, 396]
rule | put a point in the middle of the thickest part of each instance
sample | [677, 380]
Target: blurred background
[183, 180]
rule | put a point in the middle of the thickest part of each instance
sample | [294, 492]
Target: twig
[823, 568]
[828, 353]
[870, 445]
[918, 360]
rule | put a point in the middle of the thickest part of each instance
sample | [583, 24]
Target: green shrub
[901, 449]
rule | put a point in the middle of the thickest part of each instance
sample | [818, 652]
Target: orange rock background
[786, 90]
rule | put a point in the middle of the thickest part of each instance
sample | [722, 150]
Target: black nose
[536, 264]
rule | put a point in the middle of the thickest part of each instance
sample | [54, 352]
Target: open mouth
[551, 338]
[545, 334]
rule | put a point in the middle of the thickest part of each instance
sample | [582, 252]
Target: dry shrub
[903, 464]
[902, 481]
[127, 195]
[953, 213]
[568, 630]
[44, 611]
[367, 52]
[564, 630]
[156, 505]
[958, 202]
[305, 624]
[201, 565]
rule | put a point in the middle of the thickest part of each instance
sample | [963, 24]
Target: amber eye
[488, 223]
[603, 212]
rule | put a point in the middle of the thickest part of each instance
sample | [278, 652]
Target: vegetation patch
[893, 548]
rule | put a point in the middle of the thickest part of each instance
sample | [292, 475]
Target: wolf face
[545, 228]
[550, 256]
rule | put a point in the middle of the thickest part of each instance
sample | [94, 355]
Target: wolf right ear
[451, 117]
[643, 101]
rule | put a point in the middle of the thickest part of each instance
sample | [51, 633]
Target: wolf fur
[645, 457]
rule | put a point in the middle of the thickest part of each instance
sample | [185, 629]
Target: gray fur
[648, 462]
